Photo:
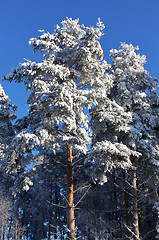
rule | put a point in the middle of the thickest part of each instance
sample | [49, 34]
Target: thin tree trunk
[60, 220]
[50, 211]
[125, 200]
[115, 205]
[115, 198]
[121, 226]
[56, 211]
[21, 233]
[4, 230]
[88, 234]
[9, 229]
[0, 225]
[134, 202]
[70, 207]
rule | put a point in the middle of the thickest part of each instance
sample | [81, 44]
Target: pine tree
[61, 87]
[9, 222]
[7, 114]
[134, 90]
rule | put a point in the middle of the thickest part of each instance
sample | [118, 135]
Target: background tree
[7, 114]
[133, 90]
[9, 220]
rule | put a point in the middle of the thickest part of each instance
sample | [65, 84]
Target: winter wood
[91, 126]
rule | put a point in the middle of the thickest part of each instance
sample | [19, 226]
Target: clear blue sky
[130, 21]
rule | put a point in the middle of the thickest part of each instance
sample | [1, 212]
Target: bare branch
[55, 204]
[67, 228]
[82, 196]
[78, 237]
[61, 164]
[59, 234]
[81, 188]
[93, 112]
[78, 162]
[148, 234]
[120, 187]
[82, 86]
[75, 156]
[131, 231]
[65, 199]
[146, 180]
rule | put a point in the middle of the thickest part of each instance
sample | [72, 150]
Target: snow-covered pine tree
[7, 114]
[134, 90]
[61, 87]
[109, 121]
[107, 151]
[7, 133]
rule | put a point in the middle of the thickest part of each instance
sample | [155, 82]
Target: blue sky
[130, 21]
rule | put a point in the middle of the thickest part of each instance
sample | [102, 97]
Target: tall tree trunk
[4, 230]
[88, 234]
[134, 201]
[56, 211]
[9, 229]
[21, 233]
[0, 225]
[70, 207]
[115, 198]
[116, 216]
[50, 211]
[125, 200]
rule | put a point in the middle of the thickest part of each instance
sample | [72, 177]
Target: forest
[83, 163]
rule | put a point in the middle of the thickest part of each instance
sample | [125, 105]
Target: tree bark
[115, 205]
[56, 212]
[70, 207]
[115, 198]
[125, 200]
[50, 211]
[135, 221]
[9, 229]
[4, 230]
